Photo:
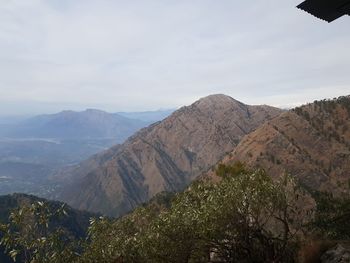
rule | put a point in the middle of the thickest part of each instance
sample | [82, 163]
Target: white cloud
[134, 55]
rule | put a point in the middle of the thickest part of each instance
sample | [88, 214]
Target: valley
[33, 149]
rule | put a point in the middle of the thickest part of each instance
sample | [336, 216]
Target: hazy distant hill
[311, 142]
[87, 124]
[165, 156]
[148, 116]
[31, 149]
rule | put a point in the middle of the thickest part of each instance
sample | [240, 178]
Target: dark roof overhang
[328, 10]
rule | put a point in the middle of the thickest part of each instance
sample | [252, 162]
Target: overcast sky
[132, 55]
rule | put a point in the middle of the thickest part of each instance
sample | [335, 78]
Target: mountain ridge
[311, 142]
[68, 124]
[166, 156]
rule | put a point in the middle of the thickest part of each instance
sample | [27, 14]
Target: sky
[137, 55]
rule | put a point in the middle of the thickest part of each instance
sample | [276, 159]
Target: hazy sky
[142, 55]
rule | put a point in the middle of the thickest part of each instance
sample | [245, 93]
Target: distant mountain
[165, 156]
[7, 123]
[148, 116]
[31, 149]
[311, 142]
[87, 124]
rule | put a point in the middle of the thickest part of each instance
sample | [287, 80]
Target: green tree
[243, 217]
[29, 237]
[332, 216]
[246, 217]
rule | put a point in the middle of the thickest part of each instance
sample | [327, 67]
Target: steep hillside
[78, 125]
[72, 173]
[311, 142]
[165, 156]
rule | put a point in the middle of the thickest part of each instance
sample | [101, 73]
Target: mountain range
[311, 142]
[33, 148]
[87, 124]
[165, 156]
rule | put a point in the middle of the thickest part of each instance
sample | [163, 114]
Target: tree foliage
[29, 237]
[332, 216]
[245, 217]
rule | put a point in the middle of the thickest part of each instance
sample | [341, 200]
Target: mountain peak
[218, 104]
[217, 100]
[163, 157]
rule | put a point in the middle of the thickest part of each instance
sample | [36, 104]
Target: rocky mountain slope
[311, 142]
[165, 156]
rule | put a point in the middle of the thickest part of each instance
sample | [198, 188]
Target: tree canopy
[245, 217]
